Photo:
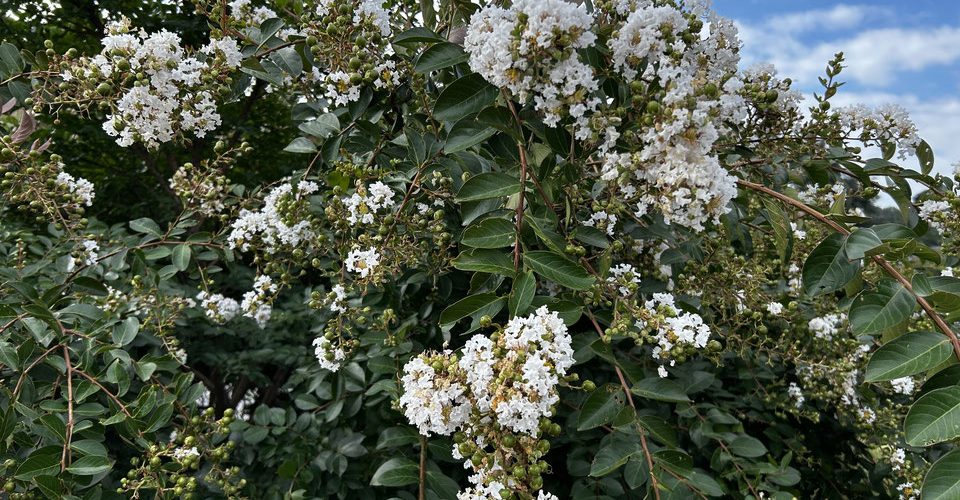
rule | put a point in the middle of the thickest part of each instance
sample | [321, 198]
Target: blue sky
[906, 52]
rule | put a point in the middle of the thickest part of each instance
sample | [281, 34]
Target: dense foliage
[539, 249]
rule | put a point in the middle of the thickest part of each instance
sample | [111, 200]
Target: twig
[423, 468]
[927, 308]
[520, 207]
[112, 396]
[68, 435]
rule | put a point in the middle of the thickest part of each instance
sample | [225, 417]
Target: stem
[520, 207]
[423, 468]
[106, 391]
[880, 261]
[643, 434]
[65, 456]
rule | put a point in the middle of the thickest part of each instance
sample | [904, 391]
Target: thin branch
[423, 468]
[520, 206]
[886, 266]
[106, 391]
[65, 456]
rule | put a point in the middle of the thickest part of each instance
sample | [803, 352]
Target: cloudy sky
[906, 52]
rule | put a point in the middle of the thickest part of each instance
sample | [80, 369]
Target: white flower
[935, 213]
[898, 459]
[794, 391]
[270, 226]
[622, 274]
[662, 371]
[218, 308]
[825, 327]
[362, 262]
[775, 308]
[256, 303]
[903, 385]
[797, 232]
[77, 186]
[602, 220]
[181, 453]
[430, 402]
[363, 206]
[330, 357]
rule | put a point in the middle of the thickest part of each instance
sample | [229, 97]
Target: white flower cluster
[898, 459]
[331, 357]
[535, 348]
[903, 385]
[671, 327]
[907, 492]
[362, 262]
[366, 203]
[623, 275]
[888, 123]
[603, 221]
[79, 187]
[795, 393]
[775, 308]
[531, 50]
[505, 382]
[174, 98]
[674, 171]
[257, 303]
[935, 212]
[182, 453]
[825, 327]
[433, 404]
[218, 308]
[283, 222]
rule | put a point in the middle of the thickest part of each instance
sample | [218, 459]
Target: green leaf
[943, 479]
[395, 472]
[301, 145]
[612, 455]
[125, 332]
[827, 269]
[747, 446]
[925, 157]
[934, 418]
[782, 231]
[418, 34]
[559, 269]
[90, 466]
[147, 226]
[466, 133]
[8, 355]
[288, 60]
[482, 303]
[524, 289]
[322, 127]
[490, 233]
[908, 354]
[485, 261]
[439, 56]
[181, 257]
[858, 243]
[393, 437]
[44, 461]
[660, 389]
[465, 96]
[660, 429]
[674, 460]
[873, 312]
[599, 409]
[488, 185]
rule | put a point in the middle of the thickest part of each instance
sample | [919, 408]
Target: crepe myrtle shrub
[526, 250]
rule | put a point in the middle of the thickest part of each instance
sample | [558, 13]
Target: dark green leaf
[483, 303]
[934, 418]
[599, 409]
[395, 472]
[90, 465]
[490, 233]
[613, 455]
[908, 354]
[859, 242]
[524, 289]
[943, 479]
[876, 311]
[466, 96]
[558, 269]
[466, 133]
[488, 185]
[827, 269]
[660, 389]
[438, 56]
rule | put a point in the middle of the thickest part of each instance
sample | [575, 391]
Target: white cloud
[874, 56]
[837, 17]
